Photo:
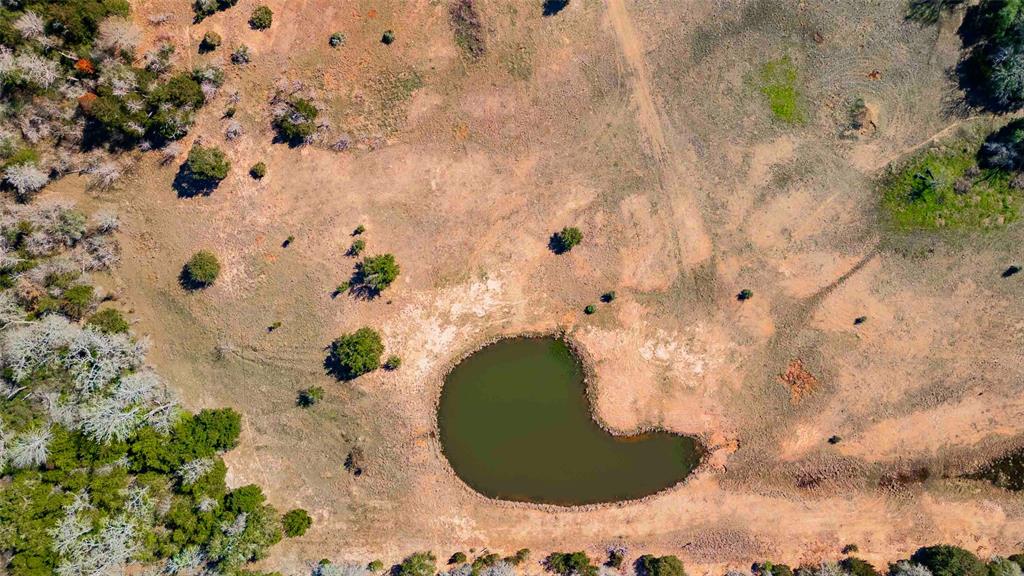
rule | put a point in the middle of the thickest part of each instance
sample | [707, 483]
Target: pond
[515, 424]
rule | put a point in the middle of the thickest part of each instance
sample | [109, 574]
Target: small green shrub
[375, 566]
[519, 557]
[207, 163]
[258, 170]
[296, 522]
[241, 55]
[608, 297]
[202, 269]
[109, 321]
[457, 558]
[393, 362]
[310, 396]
[566, 240]
[357, 247]
[353, 355]
[359, 230]
[211, 41]
[615, 558]
[745, 294]
[337, 40]
[590, 309]
[388, 37]
[261, 19]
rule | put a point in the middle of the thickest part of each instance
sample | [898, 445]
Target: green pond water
[515, 424]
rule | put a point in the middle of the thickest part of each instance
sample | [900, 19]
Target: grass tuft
[779, 85]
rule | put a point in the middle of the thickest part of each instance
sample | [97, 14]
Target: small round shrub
[211, 41]
[241, 55]
[202, 269]
[745, 294]
[109, 321]
[375, 566]
[261, 19]
[590, 309]
[359, 230]
[648, 565]
[353, 355]
[393, 362]
[337, 40]
[258, 170]
[388, 37]
[357, 247]
[419, 564]
[296, 522]
[457, 558]
[608, 297]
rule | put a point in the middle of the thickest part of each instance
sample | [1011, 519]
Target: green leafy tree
[202, 269]
[648, 565]
[944, 560]
[261, 19]
[258, 170]
[77, 300]
[296, 122]
[857, 567]
[109, 321]
[355, 354]
[566, 240]
[570, 564]
[375, 273]
[418, 564]
[296, 522]
[207, 163]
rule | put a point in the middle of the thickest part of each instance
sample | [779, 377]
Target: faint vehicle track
[687, 223]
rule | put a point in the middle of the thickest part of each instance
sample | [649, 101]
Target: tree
[1004, 148]
[570, 564]
[357, 247]
[295, 120]
[944, 560]
[564, 241]
[393, 362]
[261, 18]
[648, 565]
[109, 321]
[375, 273]
[857, 567]
[457, 558]
[207, 164]
[337, 40]
[1003, 567]
[211, 41]
[355, 354]
[202, 269]
[418, 564]
[77, 300]
[258, 170]
[296, 522]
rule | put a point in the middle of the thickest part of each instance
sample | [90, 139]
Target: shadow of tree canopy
[988, 40]
[186, 281]
[556, 245]
[552, 7]
[188, 185]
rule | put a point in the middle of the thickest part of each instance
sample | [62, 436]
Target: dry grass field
[645, 124]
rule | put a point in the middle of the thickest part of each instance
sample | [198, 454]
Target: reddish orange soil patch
[800, 382]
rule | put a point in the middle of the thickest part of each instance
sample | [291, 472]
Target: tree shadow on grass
[186, 281]
[187, 185]
[552, 7]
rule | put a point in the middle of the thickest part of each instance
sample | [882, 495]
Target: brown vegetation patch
[801, 383]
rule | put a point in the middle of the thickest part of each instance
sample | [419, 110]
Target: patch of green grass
[944, 188]
[779, 84]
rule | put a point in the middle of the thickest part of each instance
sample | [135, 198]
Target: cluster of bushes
[102, 471]
[295, 120]
[204, 8]
[70, 76]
